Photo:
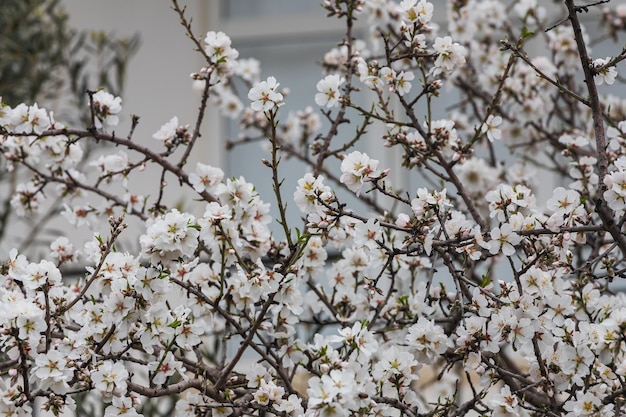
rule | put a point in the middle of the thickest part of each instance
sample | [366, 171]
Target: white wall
[158, 84]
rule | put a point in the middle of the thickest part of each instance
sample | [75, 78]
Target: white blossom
[205, 178]
[110, 378]
[106, 108]
[329, 91]
[167, 132]
[604, 74]
[265, 95]
[449, 55]
[357, 168]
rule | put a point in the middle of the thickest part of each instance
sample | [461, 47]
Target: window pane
[241, 9]
[293, 65]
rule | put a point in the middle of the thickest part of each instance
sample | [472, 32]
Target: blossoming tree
[469, 295]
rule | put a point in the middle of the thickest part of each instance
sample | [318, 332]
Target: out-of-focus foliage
[98, 59]
[42, 54]
[42, 58]
[33, 36]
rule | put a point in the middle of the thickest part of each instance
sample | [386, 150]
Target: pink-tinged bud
[403, 220]
[435, 291]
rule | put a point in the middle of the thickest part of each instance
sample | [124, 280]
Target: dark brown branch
[604, 211]
[145, 151]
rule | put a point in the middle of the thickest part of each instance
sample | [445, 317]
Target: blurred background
[53, 50]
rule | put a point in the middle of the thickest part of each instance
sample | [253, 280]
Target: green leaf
[485, 281]
[526, 33]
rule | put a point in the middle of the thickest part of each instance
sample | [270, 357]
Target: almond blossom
[265, 95]
[484, 277]
[167, 132]
[358, 168]
[503, 239]
[329, 91]
[604, 74]
[110, 378]
[205, 178]
[106, 108]
[449, 55]
[414, 10]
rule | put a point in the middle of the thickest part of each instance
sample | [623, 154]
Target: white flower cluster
[106, 108]
[265, 95]
[172, 236]
[357, 169]
[615, 182]
[503, 290]
[218, 48]
[450, 55]
[25, 119]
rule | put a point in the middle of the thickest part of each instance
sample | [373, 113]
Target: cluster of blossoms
[457, 282]
[106, 107]
[615, 182]
[265, 95]
[357, 168]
